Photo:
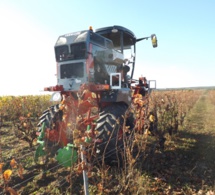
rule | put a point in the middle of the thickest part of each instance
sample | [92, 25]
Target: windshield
[61, 53]
[77, 51]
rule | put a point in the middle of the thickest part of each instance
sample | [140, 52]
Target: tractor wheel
[110, 145]
[47, 125]
[49, 116]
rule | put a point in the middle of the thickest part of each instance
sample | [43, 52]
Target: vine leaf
[7, 175]
[13, 163]
[1, 166]
[20, 171]
[11, 191]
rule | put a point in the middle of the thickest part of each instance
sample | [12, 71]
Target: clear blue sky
[185, 29]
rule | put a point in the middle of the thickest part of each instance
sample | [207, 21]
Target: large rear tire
[110, 134]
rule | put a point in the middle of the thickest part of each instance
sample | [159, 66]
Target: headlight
[56, 97]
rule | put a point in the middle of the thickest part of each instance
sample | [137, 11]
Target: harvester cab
[96, 90]
[96, 58]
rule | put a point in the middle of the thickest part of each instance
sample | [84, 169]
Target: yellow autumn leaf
[151, 118]
[93, 95]
[146, 132]
[7, 174]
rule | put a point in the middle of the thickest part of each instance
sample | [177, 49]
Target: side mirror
[154, 40]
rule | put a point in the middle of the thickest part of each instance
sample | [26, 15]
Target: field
[176, 156]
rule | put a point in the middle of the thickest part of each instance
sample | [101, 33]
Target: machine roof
[114, 33]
